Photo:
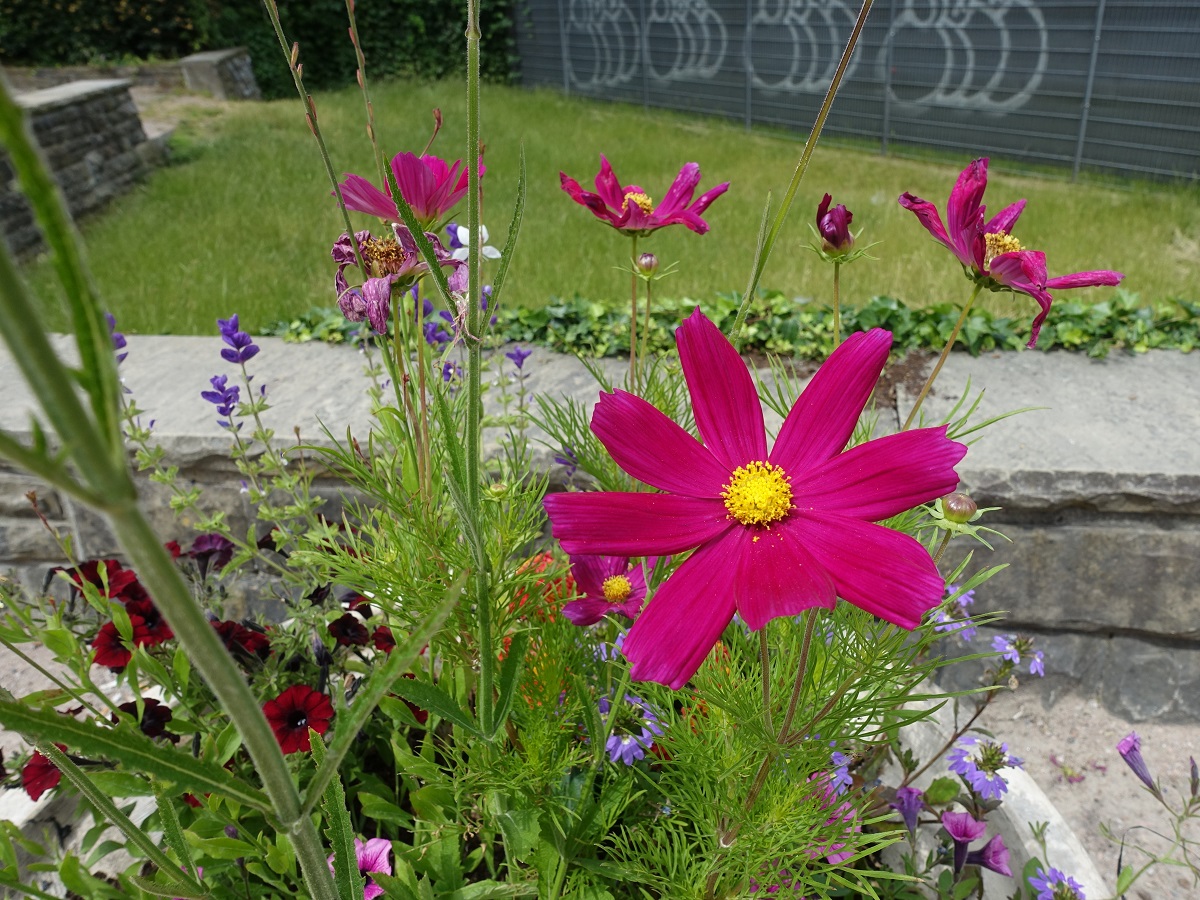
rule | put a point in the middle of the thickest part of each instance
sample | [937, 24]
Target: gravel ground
[1078, 737]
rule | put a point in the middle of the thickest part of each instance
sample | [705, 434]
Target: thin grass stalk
[735, 333]
[473, 340]
[362, 85]
[941, 359]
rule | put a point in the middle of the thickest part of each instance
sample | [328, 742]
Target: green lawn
[243, 221]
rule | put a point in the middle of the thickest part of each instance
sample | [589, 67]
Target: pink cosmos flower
[989, 253]
[774, 534]
[609, 584]
[430, 185]
[630, 210]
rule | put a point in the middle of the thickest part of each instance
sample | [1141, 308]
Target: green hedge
[410, 38]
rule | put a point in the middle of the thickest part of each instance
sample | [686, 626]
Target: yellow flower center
[384, 255]
[617, 588]
[996, 243]
[758, 493]
[641, 201]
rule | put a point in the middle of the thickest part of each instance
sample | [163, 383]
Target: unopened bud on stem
[647, 263]
[959, 507]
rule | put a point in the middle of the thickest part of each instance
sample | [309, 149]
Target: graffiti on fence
[795, 45]
[600, 43]
[683, 40]
[951, 53]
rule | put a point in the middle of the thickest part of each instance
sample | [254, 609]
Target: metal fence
[1095, 84]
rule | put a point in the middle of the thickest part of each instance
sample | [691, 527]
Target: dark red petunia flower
[211, 551]
[122, 583]
[241, 641]
[40, 775]
[156, 628]
[294, 712]
[356, 602]
[155, 716]
[111, 651]
[421, 715]
[192, 801]
[384, 639]
[349, 631]
[174, 549]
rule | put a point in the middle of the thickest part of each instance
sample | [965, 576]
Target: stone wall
[161, 76]
[93, 141]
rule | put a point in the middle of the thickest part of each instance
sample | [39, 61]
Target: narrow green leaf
[510, 674]
[386, 679]
[432, 698]
[394, 888]
[168, 889]
[510, 245]
[105, 807]
[172, 831]
[132, 750]
[346, 875]
[492, 890]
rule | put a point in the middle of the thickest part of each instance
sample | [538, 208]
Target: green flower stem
[837, 308]
[765, 661]
[646, 321]
[633, 292]
[768, 242]
[937, 557]
[208, 654]
[480, 592]
[941, 359]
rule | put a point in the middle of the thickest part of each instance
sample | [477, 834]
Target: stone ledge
[71, 93]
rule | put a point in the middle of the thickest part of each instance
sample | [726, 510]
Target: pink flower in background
[631, 210]
[373, 856]
[988, 251]
[429, 184]
[609, 584]
[774, 534]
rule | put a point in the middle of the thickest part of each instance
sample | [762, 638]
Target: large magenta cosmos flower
[989, 253]
[773, 534]
[429, 184]
[630, 209]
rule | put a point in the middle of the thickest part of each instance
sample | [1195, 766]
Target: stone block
[225, 74]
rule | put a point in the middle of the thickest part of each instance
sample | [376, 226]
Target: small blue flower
[225, 397]
[118, 339]
[568, 460]
[841, 780]
[634, 731]
[518, 355]
[1056, 885]
[979, 761]
[242, 348]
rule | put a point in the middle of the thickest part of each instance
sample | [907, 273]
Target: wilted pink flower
[993, 855]
[428, 184]
[773, 534]
[631, 210]
[989, 253]
[609, 584]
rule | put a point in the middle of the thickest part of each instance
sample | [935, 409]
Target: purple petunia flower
[979, 761]
[518, 355]
[909, 803]
[241, 347]
[1056, 886]
[225, 397]
[634, 730]
[993, 855]
[963, 828]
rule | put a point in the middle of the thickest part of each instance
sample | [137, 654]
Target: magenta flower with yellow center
[429, 185]
[609, 584]
[774, 533]
[989, 253]
[631, 210]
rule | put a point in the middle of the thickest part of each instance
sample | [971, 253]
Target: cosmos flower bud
[1195, 778]
[647, 263]
[834, 227]
[959, 507]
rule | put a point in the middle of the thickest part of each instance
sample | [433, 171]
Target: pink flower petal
[1003, 222]
[679, 194]
[594, 202]
[724, 401]
[608, 186]
[374, 855]
[587, 611]
[700, 206]
[600, 523]
[590, 571]
[884, 572]
[927, 215]
[883, 477]
[361, 196]
[778, 577]
[1086, 279]
[654, 449]
[686, 616]
[823, 418]
[964, 211]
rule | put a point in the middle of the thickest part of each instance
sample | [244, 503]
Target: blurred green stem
[941, 359]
